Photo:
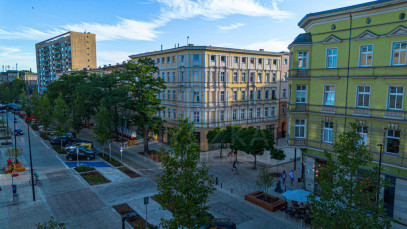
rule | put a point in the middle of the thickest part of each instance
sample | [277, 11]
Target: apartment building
[63, 53]
[216, 87]
[30, 79]
[350, 66]
[8, 76]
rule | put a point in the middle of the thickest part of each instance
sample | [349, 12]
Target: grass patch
[58, 149]
[136, 222]
[94, 178]
[114, 162]
[81, 169]
[129, 172]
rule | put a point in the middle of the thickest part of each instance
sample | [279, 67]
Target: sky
[127, 27]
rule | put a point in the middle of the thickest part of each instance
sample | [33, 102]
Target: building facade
[30, 79]
[68, 51]
[350, 66]
[8, 76]
[282, 122]
[216, 87]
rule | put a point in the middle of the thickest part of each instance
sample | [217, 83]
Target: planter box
[265, 200]
[19, 168]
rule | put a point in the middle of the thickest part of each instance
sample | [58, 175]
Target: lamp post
[128, 215]
[380, 168]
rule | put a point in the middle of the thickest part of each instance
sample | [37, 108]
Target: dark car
[81, 153]
[18, 132]
[220, 224]
[66, 140]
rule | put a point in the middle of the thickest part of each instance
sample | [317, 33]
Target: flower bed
[94, 178]
[58, 149]
[136, 222]
[81, 169]
[153, 155]
[129, 172]
[114, 162]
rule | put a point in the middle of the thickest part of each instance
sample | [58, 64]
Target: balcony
[302, 73]
[299, 141]
[300, 107]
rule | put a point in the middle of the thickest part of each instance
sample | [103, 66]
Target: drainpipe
[347, 75]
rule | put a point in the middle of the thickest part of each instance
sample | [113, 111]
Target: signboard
[146, 200]
[15, 174]
[109, 145]
[121, 148]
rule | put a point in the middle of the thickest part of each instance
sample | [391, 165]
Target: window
[196, 76]
[392, 141]
[173, 95]
[251, 95]
[196, 57]
[169, 113]
[260, 61]
[366, 55]
[329, 95]
[258, 112]
[163, 114]
[244, 60]
[168, 77]
[301, 94]
[163, 60]
[163, 94]
[196, 97]
[399, 53]
[222, 115]
[274, 77]
[268, 77]
[182, 95]
[299, 128]
[285, 61]
[223, 59]
[243, 77]
[250, 113]
[196, 116]
[163, 75]
[363, 96]
[273, 111]
[331, 57]
[395, 97]
[243, 95]
[266, 112]
[173, 59]
[363, 134]
[268, 61]
[235, 77]
[242, 114]
[267, 94]
[252, 77]
[213, 58]
[328, 132]
[258, 94]
[168, 94]
[222, 77]
[181, 76]
[259, 77]
[234, 114]
[234, 95]
[284, 93]
[273, 93]
[303, 60]
[283, 109]
[182, 58]
[235, 59]
[158, 60]
[252, 60]
[173, 77]
[274, 62]
[174, 114]
[222, 96]
[168, 59]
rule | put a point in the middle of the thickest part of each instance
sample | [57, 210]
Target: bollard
[15, 198]
[216, 180]
[220, 185]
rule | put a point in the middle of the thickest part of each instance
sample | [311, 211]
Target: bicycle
[38, 183]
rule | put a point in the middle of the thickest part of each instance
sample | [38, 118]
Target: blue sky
[128, 27]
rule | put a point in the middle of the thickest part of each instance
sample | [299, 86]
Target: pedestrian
[237, 172]
[292, 177]
[9, 161]
[283, 176]
[233, 167]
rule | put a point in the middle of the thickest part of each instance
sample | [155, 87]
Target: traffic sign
[15, 174]
[109, 145]
[146, 200]
[121, 148]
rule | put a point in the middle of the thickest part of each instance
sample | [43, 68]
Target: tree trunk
[255, 160]
[146, 150]
[103, 149]
[236, 155]
[220, 153]
[61, 144]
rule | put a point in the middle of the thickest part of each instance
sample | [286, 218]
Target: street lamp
[380, 167]
[128, 215]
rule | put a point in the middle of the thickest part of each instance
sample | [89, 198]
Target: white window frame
[300, 124]
[243, 96]
[325, 98]
[174, 95]
[258, 94]
[258, 112]
[363, 131]
[222, 96]
[235, 77]
[234, 95]
[196, 97]
[301, 57]
[367, 53]
[284, 93]
[242, 114]
[222, 76]
[266, 112]
[400, 53]
[234, 114]
[363, 93]
[174, 76]
[168, 113]
[174, 114]
[182, 95]
[243, 78]
[328, 131]
[250, 115]
[267, 94]
[197, 117]
[259, 76]
[389, 93]
[331, 58]
[251, 95]
[274, 77]
[268, 77]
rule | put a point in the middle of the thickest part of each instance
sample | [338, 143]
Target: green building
[350, 66]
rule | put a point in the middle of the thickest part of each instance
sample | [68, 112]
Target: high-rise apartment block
[350, 66]
[216, 87]
[68, 51]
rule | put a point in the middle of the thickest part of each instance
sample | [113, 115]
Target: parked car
[18, 132]
[220, 223]
[84, 144]
[66, 140]
[82, 153]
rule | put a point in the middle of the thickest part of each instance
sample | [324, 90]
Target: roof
[348, 8]
[208, 48]
[303, 38]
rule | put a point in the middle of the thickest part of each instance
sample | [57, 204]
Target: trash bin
[14, 186]
[16, 198]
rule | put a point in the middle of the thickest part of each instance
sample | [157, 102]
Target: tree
[143, 86]
[255, 141]
[264, 179]
[51, 224]
[61, 117]
[184, 187]
[231, 136]
[13, 153]
[78, 114]
[278, 155]
[35, 101]
[44, 109]
[17, 85]
[347, 197]
[216, 135]
[25, 104]
[104, 123]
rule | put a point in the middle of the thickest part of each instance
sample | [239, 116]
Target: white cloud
[215, 9]
[13, 55]
[27, 33]
[231, 27]
[273, 45]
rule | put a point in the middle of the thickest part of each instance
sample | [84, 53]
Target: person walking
[234, 168]
[283, 176]
[292, 177]
[236, 171]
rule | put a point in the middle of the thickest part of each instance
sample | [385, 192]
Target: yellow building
[63, 53]
[350, 66]
[216, 87]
